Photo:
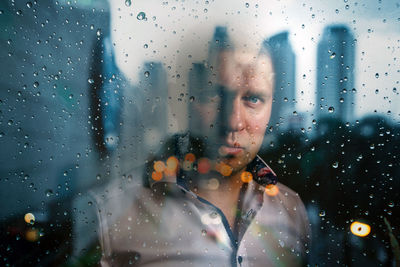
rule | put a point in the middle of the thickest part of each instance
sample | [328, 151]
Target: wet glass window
[224, 133]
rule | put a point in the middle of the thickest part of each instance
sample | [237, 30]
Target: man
[207, 198]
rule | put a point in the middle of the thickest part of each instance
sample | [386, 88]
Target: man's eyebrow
[259, 93]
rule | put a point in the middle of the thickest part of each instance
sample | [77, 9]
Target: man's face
[236, 114]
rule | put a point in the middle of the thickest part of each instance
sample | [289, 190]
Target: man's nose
[233, 119]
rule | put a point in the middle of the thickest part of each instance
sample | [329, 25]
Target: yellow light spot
[32, 235]
[271, 190]
[190, 157]
[172, 163]
[157, 176]
[246, 177]
[29, 218]
[360, 229]
[159, 166]
[224, 169]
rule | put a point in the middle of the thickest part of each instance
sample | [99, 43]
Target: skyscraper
[335, 73]
[284, 61]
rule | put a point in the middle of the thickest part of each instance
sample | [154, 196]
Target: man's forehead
[245, 69]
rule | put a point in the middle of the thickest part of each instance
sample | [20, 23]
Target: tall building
[335, 73]
[284, 61]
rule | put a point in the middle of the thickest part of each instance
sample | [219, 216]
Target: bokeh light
[203, 165]
[156, 176]
[271, 190]
[29, 218]
[223, 169]
[246, 177]
[172, 164]
[159, 166]
[360, 229]
[190, 157]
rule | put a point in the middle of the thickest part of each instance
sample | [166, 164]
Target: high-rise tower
[335, 73]
[284, 61]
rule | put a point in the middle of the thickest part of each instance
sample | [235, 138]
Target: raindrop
[191, 98]
[247, 5]
[391, 204]
[128, 3]
[332, 56]
[36, 84]
[335, 164]
[141, 16]
[146, 74]
[205, 10]
[377, 75]
[145, 45]
[98, 32]
[331, 109]
[372, 146]
[90, 81]
[322, 213]
[29, 4]
[49, 193]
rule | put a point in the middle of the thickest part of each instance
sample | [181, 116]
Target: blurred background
[89, 88]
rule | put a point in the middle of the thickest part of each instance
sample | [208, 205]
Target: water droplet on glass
[332, 56]
[331, 109]
[49, 193]
[128, 3]
[191, 98]
[372, 146]
[36, 84]
[391, 204]
[141, 16]
[90, 81]
[322, 213]
[145, 45]
[335, 164]
[377, 75]
[98, 32]
[29, 4]
[247, 5]
[146, 74]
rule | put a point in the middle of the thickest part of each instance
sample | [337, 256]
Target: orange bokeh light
[224, 169]
[190, 157]
[271, 190]
[159, 166]
[156, 176]
[246, 177]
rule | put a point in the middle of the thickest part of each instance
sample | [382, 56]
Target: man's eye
[252, 99]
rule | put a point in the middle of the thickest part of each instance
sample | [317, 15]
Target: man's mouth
[228, 149]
